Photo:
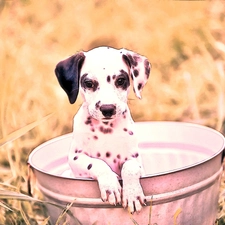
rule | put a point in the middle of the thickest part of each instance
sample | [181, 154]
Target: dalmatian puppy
[104, 146]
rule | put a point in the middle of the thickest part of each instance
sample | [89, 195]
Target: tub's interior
[164, 147]
[157, 159]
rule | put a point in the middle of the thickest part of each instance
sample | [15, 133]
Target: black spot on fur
[135, 155]
[139, 86]
[88, 121]
[118, 156]
[105, 130]
[97, 105]
[75, 158]
[98, 154]
[147, 68]
[89, 166]
[107, 154]
[95, 137]
[131, 60]
[125, 129]
[108, 79]
[130, 132]
[78, 151]
[136, 72]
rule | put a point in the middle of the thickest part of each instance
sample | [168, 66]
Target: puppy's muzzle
[108, 110]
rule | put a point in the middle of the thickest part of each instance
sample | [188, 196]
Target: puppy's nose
[108, 110]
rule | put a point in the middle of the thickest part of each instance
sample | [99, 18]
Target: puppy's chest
[112, 142]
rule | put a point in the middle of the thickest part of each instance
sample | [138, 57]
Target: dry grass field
[185, 42]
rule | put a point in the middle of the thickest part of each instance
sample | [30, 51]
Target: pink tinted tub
[183, 164]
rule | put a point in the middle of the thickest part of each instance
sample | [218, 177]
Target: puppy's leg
[133, 195]
[97, 169]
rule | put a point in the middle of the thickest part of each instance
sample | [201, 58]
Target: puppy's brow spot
[107, 154]
[114, 76]
[75, 158]
[89, 166]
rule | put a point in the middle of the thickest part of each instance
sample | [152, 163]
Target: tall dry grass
[185, 42]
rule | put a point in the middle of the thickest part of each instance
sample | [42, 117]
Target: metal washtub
[183, 163]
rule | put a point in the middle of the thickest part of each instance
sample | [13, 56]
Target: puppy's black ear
[68, 74]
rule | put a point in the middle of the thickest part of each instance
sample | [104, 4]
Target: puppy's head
[103, 76]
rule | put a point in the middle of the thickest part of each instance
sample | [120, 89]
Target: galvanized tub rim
[180, 169]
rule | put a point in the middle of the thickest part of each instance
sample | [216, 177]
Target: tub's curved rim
[164, 173]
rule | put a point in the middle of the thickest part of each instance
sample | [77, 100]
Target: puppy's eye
[89, 84]
[120, 81]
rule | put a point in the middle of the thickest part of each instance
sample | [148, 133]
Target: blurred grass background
[184, 41]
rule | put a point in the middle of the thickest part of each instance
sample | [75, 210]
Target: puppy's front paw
[110, 188]
[133, 197]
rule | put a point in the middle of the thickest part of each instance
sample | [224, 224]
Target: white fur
[103, 148]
